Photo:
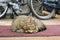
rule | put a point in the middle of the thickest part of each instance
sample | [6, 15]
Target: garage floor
[54, 21]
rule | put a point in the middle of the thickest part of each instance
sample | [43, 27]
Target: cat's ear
[42, 28]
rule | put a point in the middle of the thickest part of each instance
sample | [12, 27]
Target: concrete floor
[54, 21]
[30, 38]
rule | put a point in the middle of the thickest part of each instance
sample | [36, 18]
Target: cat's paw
[20, 30]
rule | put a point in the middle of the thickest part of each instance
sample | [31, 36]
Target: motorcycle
[13, 7]
[45, 9]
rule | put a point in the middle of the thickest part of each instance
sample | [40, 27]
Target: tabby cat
[27, 24]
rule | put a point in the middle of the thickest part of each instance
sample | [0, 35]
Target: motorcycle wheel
[3, 10]
[24, 7]
[40, 11]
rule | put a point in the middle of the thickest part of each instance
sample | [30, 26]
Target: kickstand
[12, 16]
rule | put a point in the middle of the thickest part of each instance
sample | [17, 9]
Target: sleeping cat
[27, 24]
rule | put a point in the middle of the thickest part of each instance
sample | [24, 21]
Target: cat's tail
[43, 28]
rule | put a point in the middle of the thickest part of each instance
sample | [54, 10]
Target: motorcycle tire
[3, 10]
[52, 13]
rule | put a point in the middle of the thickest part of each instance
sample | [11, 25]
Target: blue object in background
[52, 3]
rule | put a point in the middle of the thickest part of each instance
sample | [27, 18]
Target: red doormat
[52, 30]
